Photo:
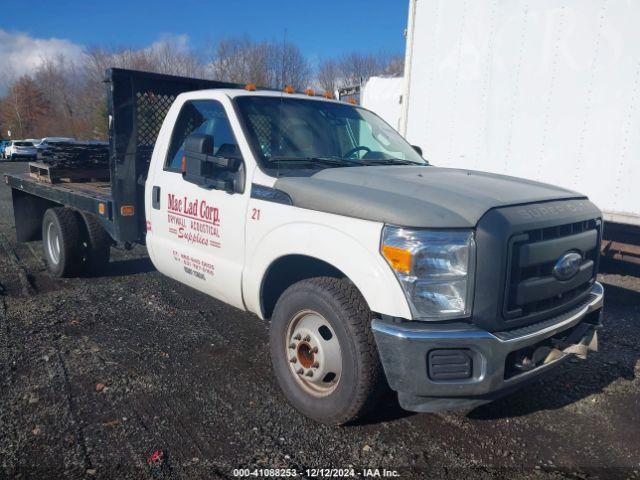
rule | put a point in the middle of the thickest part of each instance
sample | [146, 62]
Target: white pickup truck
[374, 268]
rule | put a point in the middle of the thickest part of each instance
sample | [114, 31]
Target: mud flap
[582, 340]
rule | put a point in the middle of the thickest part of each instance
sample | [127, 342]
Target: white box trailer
[383, 95]
[544, 90]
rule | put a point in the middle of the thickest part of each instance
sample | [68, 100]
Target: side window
[201, 116]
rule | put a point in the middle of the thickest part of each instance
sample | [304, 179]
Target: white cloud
[180, 42]
[21, 53]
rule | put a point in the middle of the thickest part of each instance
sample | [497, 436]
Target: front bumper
[497, 361]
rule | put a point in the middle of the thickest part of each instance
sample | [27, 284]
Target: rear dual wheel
[73, 243]
[323, 351]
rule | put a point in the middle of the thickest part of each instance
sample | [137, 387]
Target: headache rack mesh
[138, 103]
[151, 109]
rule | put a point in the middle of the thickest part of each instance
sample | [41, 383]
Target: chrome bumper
[404, 349]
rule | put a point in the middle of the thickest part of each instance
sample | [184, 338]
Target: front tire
[323, 351]
[61, 240]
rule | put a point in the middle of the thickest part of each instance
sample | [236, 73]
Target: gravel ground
[98, 373]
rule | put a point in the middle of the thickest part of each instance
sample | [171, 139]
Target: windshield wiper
[333, 161]
[391, 161]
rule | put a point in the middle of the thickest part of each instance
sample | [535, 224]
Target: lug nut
[307, 338]
[292, 359]
[309, 374]
[292, 346]
[315, 365]
[314, 350]
[297, 337]
[300, 371]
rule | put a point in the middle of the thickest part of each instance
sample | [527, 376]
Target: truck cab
[374, 268]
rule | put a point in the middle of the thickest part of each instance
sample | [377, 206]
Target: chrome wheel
[313, 353]
[53, 243]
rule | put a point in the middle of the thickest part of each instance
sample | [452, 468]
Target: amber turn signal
[399, 258]
[127, 210]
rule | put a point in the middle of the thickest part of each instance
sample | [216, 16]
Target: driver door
[197, 233]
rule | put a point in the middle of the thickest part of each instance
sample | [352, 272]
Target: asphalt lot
[188, 375]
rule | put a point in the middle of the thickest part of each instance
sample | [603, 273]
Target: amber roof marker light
[251, 87]
[328, 95]
[289, 89]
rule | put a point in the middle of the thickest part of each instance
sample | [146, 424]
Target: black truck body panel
[137, 103]
[31, 198]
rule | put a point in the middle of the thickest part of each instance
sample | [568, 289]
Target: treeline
[64, 98]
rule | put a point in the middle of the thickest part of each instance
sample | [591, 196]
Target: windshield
[299, 132]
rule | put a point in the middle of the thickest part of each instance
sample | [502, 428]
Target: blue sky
[322, 29]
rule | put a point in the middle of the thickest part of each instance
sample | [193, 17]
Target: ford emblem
[567, 266]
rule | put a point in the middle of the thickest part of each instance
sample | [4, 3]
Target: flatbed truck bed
[137, 103]
[31, 197]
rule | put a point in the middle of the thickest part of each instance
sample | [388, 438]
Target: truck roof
[237, 92]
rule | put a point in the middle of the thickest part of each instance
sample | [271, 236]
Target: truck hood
[421, 196]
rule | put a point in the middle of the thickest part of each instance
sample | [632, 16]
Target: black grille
[531, 287]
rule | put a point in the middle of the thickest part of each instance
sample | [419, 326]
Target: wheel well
[286, 271]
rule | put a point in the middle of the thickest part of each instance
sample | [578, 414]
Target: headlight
[435, 269]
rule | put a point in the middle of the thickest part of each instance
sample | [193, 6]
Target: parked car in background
[3, 145]
[21, 149]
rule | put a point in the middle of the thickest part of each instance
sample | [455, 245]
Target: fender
[350, 245]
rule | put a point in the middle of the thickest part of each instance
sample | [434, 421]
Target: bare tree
[270, 64]
[329, 76]
[168, 57]
[172, 58]
[73, 94]
[60, 82]
[287, 66]
[24, 108]
[394, 66]
[240, 60]
[357, 67]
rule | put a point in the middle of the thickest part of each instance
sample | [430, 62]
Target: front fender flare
[356, 254]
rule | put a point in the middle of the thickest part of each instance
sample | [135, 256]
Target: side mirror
[417, 149]
[201, 167]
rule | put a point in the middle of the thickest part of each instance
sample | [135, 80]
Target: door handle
[155, 197]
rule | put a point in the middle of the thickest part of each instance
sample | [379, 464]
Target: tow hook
[583, 338]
